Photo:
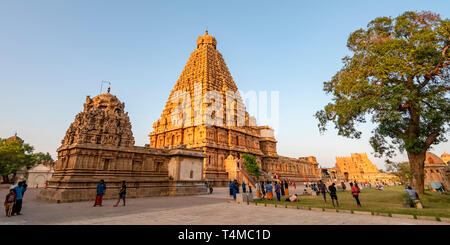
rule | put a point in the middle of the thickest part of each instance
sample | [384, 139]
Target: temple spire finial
[206, 32]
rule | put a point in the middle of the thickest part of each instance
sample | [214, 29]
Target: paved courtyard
[183, 210]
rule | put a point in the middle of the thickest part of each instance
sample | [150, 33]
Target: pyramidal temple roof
[207, 67]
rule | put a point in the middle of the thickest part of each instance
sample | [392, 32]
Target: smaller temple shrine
[358, 168]
[99, 144]
[437, 172]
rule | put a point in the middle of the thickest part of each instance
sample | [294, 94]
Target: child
[9, 202]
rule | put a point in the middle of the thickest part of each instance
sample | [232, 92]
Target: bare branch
[431, 138]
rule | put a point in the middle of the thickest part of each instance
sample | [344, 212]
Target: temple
[358, 168]
[233, 132]
[437, 171]
[185, 148]
[99, 144]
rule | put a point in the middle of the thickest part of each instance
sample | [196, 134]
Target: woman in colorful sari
[101, 188]
[269, 191]
[258, 190]
[286, 188]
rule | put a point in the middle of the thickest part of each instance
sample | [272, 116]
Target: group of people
[13, 200]
[321, 188]
[234, 187]
[265, 190]
[101, 190]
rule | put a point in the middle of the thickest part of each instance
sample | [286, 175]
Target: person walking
[101, 188]
[355, 193]
[333, 194]
[210, 188]
[19, 190]
[122, 193]
[281, 183]
[278, 190]
[235, 189]
[231, 187]
[323, 190]
[269, 191]
[9, 202]
[343, 186]
[244, 189]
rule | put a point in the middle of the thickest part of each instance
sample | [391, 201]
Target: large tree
[398, 74]
[15, 154]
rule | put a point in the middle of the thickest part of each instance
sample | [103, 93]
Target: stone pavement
[183, 210]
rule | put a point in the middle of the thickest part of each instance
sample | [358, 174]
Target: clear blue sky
[54, 53]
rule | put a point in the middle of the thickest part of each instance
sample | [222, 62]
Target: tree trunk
[417, 162]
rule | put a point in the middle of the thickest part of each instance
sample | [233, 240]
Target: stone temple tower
[206, 74]
[206, 90]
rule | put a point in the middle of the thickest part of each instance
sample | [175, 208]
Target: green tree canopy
[398, 74]
[251, 166]
[43, 157]
[14, 155]
[400, 169]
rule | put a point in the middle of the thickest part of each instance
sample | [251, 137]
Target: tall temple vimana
[99, 144]
[207, 72]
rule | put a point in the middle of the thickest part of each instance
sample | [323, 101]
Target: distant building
[15, 138]
[39, 175]
[358, 167]
[436, 171]
[445, 157]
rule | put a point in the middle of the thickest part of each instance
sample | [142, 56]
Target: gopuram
[205, 92]
[358, 168]
[99, 144]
